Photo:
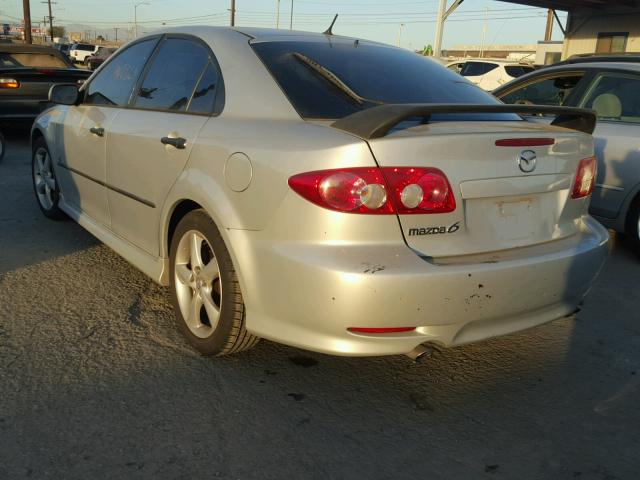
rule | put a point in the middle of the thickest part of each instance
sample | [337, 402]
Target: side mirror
[63, 94]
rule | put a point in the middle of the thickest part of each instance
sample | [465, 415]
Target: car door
[82, 172]
[615, 96]
[150, 143]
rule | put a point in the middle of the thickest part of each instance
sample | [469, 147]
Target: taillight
[389, 190]
[420, 190]
[9, 83]
[355, 190]
[585, 178]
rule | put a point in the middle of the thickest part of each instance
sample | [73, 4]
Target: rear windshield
[376, 73]
[516, 71]
[30, 60]
[474, 69]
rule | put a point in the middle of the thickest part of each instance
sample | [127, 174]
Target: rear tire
[205, 291]
[44, 181]
[632, 227]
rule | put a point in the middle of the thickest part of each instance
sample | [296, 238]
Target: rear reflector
[381, 330]
[585, 178]
[525, 142]
[9, 83]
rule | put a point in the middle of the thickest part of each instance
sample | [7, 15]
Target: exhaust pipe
[418, 352]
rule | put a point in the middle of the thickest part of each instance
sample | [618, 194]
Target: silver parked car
[325, 192]
[611, 89]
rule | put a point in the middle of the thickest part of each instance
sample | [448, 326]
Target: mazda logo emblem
[527, 161]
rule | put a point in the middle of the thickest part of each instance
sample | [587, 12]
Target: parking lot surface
[96, 382]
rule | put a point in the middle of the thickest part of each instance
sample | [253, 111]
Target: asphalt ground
[96, 382]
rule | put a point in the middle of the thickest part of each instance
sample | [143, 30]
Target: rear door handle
[99, 131]
[178, 142]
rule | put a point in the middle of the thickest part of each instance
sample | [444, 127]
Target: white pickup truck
[80, 51]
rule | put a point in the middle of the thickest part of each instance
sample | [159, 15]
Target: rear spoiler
[378, 121]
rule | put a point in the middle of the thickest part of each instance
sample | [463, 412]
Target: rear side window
[30, 60]
[204, 97]
[115, 82]
[376, 73]
[85, 47]
[172, 78]
[474, 69]
[516, 71]
[614, 97]
[548, 91]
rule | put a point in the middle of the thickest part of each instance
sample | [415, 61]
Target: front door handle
[178, 142]
[99, 131]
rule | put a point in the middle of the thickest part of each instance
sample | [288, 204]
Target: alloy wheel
[43, 178]
[197, 283]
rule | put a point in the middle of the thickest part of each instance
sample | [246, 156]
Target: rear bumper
[308, 295]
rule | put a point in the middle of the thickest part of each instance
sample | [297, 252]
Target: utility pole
[437, 44]
[116, 29]
[278, 15]
[484, 32]
[233, 13]
[49, 2]
[400, 34]
[291, 17]
[443, 14]
[26, 8]
[548, 32]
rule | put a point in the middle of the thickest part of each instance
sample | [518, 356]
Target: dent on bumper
[308, 295]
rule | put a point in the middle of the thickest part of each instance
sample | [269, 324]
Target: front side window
[115, 82]
[475, 69]
[548, 91]
[614, 97]
[173, 76]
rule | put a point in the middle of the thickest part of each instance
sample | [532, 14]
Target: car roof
[631, 66]
[257, 34]
[571, 67]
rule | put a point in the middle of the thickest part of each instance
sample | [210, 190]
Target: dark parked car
[27, 72]
[63, 48]
[97, 59]
[612, 89]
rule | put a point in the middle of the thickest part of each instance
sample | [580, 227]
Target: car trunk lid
[498, 205]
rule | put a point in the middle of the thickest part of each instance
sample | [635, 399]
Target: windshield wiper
[333, 79]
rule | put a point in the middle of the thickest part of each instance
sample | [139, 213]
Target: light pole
[291, 17]
[135, 17]
[278, 16]
[400, 33]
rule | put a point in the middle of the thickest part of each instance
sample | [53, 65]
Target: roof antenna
[328, 30]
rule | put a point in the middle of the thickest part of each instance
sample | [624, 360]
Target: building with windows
[596, 26]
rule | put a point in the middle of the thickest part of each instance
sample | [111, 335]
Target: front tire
[205, 291]
[45, 184]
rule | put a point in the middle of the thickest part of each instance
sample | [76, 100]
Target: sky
[411, 23]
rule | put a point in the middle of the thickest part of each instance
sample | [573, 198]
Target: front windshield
[374, 72]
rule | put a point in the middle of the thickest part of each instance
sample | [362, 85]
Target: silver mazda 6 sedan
[325, 192]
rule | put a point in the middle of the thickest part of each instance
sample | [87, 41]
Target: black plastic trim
[110, 187]
[376, 122]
